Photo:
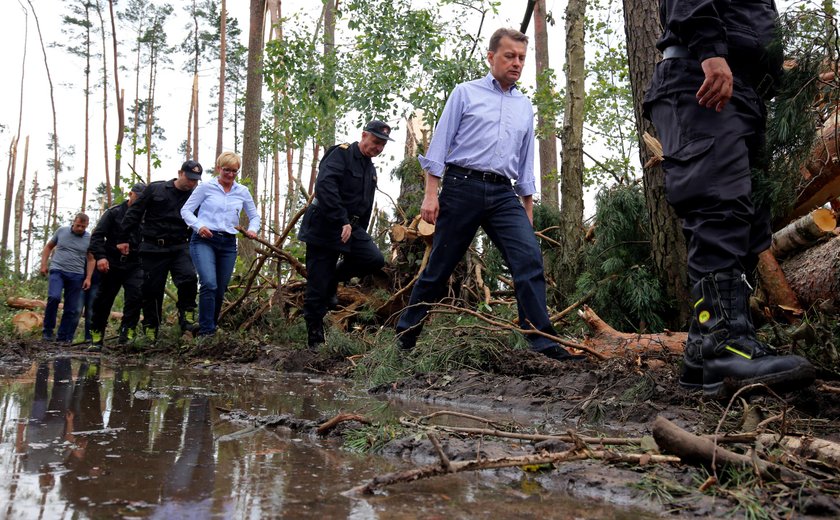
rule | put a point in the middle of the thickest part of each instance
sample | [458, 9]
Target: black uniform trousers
[708, 161]
[156, 265]
[324, 271]
[127, 275]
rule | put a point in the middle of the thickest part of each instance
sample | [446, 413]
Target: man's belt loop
[676, 51]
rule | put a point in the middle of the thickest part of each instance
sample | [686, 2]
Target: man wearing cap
[483, 148]
[164, 246]
[335, 224]
[116, 271]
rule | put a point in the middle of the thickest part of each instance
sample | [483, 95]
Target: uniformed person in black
[706, 100]
[116, 271]
[164, 246]
[335, 224]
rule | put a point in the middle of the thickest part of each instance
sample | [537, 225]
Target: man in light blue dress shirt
[483, 149]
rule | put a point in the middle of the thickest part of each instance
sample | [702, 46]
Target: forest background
[328, 67]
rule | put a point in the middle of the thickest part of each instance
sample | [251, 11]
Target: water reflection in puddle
[79, 439]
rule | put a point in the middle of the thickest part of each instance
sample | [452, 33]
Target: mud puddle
[87, 440]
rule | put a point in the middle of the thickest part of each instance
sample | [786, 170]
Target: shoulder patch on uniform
[344, 146]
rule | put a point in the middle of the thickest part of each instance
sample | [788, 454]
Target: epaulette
[344, 146]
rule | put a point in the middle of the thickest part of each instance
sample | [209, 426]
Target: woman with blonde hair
[213, 244]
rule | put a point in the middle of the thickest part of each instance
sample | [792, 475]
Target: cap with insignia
[192, 170]
[379, 129]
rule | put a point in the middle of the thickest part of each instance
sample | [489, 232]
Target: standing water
[80, 439]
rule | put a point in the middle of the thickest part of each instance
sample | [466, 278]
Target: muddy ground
[527, 392]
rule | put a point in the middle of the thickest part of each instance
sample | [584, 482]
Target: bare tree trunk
[104, 104]
[52, 212]
[10, 171]
[87, 108]
[253, 108]
[545, 122]
[222, 58]
[136, 108]
[329, 54]
[188, 147]
[313, 174]
[29, 228]
[571, 169]
[195, 119]
[641, 26]
[20, 198]
[273, 7]
[120, 103]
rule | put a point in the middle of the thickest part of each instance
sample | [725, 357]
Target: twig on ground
[326, 426]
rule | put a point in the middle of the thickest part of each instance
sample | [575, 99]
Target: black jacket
[742, 31]
[108, 232]
[344, 194]
[157, 215]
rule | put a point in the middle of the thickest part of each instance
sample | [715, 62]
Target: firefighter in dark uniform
[706, 100]
[335, 224]
[164, 247]
[116, 271]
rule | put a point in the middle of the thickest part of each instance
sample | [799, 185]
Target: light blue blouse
[219, 211]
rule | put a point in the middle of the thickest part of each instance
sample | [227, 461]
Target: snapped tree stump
[612, 343]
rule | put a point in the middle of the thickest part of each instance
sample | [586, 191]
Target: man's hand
[44, 270]
[346, 231]
[123, 248]
[430, 208]
[716, 89]
[86, 284]
[102, 265]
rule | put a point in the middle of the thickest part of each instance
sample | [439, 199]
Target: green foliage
[549, 103]
[371, 439]
[609, 114]
[809, 37]
[617, 266]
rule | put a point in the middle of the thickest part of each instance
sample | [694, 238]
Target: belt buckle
[160, 242]
[123, 259]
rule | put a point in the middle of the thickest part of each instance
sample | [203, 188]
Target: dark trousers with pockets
[465, 205]
[708, 161]
[156, 266]
[324, 271]
[120, 275]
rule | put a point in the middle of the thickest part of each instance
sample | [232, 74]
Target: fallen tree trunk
[699, 450]
[17, 302]
[611, 343]
[814, 274]
[776, 286]
[803, 233]
[822, 172]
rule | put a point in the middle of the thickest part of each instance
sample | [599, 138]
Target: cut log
[822, 450]
[803, 233]
[27, 321]
[822, 172]
[814, 274]
[611, 343]
[776, 286]
[425, 230]
[16, 302]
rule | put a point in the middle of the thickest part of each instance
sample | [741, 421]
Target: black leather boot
[691, 371]
[732, 356]
[314, 334]
[187, 321]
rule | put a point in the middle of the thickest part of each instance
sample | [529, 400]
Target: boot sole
[782, 382]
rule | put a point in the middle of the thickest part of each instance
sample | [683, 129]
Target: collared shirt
[219, 210]
[484, 128]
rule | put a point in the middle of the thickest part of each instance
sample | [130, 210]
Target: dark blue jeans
[214, 259]
[71, 285]
[466, 204]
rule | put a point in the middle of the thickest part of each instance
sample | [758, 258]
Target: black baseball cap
[379, 129]
[192, 170]
[138, 188]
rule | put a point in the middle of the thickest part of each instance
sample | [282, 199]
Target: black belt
[676, 51]
[491, 177]
[163, 242]
[224, 234]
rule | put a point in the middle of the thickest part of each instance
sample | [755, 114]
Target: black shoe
[558, 353]
[315, 335]
[405, 342]
[691, 370]
[732, 355]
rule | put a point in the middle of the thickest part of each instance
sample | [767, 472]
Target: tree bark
[641, 27]
[329, 59]
[220, 118]
[19, 207]
[120, 101]
[549, 192]
[10, 170]
[105, 149]
[253, 109]
[30, 227]
[803, 232]
[814, 274]
[571, 168]
[822, 172]
[775, 284]
[87, 108]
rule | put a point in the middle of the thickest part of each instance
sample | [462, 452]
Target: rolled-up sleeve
[525, 183]
[434, 161]
[251, 211]
[188, 210]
